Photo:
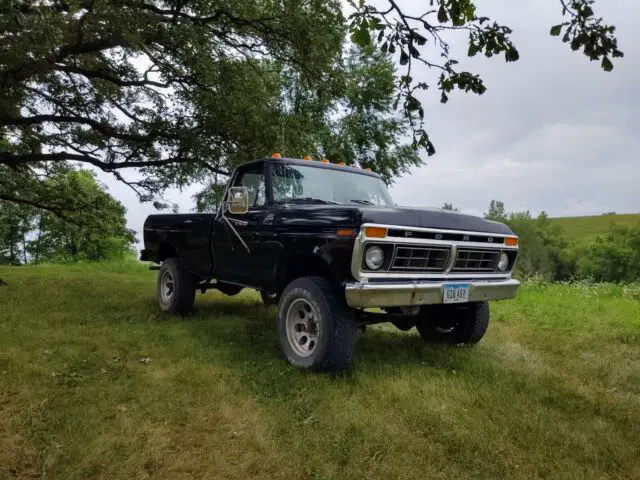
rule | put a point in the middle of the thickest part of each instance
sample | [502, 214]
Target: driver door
[237, 262]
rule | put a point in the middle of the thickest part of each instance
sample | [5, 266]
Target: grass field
[584, 230]
[96, 383]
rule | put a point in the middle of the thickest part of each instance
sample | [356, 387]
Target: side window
[253, 179]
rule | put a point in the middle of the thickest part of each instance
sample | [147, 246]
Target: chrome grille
[425, 259]
[476, 260]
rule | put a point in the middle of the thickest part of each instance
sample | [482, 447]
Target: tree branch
[109, 77]
[13, 160]
[95, 125]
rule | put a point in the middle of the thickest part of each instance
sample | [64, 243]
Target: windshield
[301, 183]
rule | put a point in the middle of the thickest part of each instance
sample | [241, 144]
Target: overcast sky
[553, 131]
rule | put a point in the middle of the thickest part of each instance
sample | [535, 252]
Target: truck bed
[186, 234]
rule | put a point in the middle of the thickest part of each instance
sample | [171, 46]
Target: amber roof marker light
[276, 155]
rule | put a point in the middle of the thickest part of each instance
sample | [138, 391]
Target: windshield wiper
[362, 202]
[311, 199]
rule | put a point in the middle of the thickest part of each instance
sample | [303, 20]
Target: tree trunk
[37, 249]
[24, 247]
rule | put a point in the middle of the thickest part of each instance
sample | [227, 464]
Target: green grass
[584, 230]
[96, 383]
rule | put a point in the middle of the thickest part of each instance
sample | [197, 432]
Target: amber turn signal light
[375, 232]
[344, 232]
[511, 241]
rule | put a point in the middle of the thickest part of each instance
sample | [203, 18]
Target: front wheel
[316, 328]
[176, 289]
[453, 324]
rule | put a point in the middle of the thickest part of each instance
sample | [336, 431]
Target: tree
[496, 212]
[450, 207]
[614, 257]
[170, 88]
[15, 223]
[181, 90]
[32, 235]
[356, 124]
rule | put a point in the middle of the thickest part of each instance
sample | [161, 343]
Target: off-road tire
[338, 331]
[184, 288]
[468, 323]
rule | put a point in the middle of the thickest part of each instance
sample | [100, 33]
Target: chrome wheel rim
[303, 327]
[167, 287]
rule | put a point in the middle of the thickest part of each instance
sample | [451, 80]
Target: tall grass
[96, 383]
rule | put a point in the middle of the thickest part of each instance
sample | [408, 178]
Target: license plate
[455, 293]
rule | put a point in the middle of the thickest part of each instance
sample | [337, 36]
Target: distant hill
[586, 229]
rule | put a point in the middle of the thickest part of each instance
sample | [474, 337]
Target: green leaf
[361, 36]
[473, 49]
[404, 58]
[555, 30]
[419, 39]
[511, 55]
[607, 66]
[442, 14]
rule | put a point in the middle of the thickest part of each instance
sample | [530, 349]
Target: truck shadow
[243, 330]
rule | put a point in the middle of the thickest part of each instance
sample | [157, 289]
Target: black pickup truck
[326, 243]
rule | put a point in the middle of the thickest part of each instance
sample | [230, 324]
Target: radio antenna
[283, 148]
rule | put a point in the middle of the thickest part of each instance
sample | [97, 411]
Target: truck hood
[431, 218]
[353, 216]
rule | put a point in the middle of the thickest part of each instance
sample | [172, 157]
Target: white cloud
[553, 132]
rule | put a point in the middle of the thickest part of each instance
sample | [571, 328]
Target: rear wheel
[175, 288]
[316, 328]
[453, 324]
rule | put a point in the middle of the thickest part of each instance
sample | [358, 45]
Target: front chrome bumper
[422, 292]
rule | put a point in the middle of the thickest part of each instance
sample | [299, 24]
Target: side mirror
[238, 200]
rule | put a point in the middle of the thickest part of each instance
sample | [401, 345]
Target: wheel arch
[166, 250]
[301, 265]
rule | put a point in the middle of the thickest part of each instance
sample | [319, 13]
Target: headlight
[374, 257]
[503, 263]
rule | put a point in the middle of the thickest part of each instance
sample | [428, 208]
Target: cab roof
[316, 164]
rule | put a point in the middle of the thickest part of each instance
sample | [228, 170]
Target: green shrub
[544, 249]
[613, 258]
